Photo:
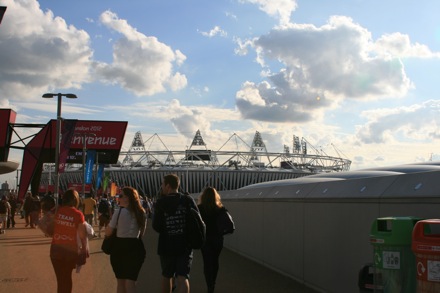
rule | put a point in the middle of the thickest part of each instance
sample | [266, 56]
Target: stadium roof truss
[142, 155]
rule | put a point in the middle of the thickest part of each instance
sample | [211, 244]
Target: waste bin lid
[426, 237]
[392, 230]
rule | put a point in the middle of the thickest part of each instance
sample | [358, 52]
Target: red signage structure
[7, 116]
[78, 187]
[2, 12]
[106, 137]
[46, 188]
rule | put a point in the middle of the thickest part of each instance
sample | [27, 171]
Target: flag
[67, 132]
[90, 162]
[114, 189]
[106, 181]
[99, 176]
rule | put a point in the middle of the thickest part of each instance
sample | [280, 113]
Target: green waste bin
[394, 261]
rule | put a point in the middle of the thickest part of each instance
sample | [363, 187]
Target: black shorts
[104, 220]
[176, 265]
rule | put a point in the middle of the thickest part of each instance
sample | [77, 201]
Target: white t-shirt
[127, 224]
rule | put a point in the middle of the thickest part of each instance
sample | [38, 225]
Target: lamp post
[58, 139]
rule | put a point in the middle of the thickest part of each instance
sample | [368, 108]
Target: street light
[58, 139]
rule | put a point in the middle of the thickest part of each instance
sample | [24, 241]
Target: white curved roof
[348, 177]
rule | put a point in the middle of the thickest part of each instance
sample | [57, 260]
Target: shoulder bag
[47, 223]
[109, 241]
[225, 224]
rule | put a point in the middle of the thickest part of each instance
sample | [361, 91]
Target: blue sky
[358, 75]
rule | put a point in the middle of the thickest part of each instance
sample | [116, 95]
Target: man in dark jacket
[169, 221]
[36, 211]
[28, 207]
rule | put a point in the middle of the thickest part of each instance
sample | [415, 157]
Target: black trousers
[211, 253]
[11, 220]
[63, 268]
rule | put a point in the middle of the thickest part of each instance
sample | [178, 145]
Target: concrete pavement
[25, 267]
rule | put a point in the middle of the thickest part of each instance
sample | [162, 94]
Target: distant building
[5, 188]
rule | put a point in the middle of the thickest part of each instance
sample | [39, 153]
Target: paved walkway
[25, 267]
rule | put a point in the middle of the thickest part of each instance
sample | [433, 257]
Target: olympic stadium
[198, 166]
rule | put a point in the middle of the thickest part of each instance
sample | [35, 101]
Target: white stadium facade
[199, 167]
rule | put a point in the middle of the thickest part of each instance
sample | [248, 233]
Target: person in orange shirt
[65, 251]
[89, 209]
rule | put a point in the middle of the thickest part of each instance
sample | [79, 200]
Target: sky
[354, 78]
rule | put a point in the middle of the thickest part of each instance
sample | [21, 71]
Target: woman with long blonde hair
[129, 250]
[211, 209]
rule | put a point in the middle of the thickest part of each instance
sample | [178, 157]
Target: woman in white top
[130, 222]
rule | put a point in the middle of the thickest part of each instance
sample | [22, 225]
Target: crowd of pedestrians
[9, 206]
[126, 215]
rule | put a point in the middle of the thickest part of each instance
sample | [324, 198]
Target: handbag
[47, 223]
[109, 241]
[225, 224]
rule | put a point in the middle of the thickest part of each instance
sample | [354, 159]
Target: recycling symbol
[377, 258]
[420, 268]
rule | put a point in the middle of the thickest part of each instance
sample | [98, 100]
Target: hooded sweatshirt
[170, 221]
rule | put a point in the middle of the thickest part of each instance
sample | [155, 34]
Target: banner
[106, 182]
[99, 176]
[114, 189]
[90, 162]
[7, 116]
[78, 187]
[46, 188]
[67, 132]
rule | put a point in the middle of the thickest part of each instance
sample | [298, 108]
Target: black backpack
[195, 229]
[103, 207]
[3, 208]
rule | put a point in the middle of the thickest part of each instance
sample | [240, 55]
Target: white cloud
[185, 119]
[40, 52]
[417, 123]
[231, 15]
[243, 46]
[216, 31]
[141, 64]
[199, 91]
[280, 100]
[51, 107]
[323, 65]
[280, 9]
[4, 103]
[399, 45]
[188, 119]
